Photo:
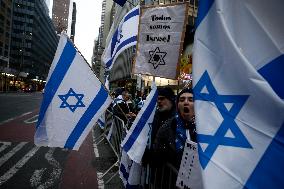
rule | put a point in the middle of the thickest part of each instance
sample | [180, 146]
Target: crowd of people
[173, 124]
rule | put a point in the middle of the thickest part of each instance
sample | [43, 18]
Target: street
[24, 165]
[16, 104]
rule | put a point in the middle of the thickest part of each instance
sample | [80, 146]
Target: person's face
[126, 97]
[164, 104]
[185, 106]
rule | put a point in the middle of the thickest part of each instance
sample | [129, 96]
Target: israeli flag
[124, 37]
[135, 142]
[73, 101]
[130, 172]
[238, 86]
[101, 121]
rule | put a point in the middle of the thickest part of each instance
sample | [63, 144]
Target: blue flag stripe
[132, 14]
[120, 2]
[100, 122]
[273, 73]
[272, 163]
[56, 78]
[141, 123]
[124, 43]
[128, 186]
[203, 8]
[124, 171]
[108, 64]
[95, 105]
[113, 41]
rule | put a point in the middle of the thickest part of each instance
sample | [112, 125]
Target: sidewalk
[104, 158]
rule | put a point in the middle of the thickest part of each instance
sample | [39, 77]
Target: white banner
[189, 175]
[160, 40]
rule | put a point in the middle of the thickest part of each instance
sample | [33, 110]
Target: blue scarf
[180, 134]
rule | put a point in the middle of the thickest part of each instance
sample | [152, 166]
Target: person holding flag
[123, 109]
[171, 136]
[165, 110]
[135, 142]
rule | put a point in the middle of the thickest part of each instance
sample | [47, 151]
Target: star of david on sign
[228, 124]
[72, 107]
[157, 57]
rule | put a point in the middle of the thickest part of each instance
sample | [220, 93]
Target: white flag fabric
[135, 142]
[101, 121]
[73, 101]
[124, 37]
[238, 63]
[161, 33]
[130, 172]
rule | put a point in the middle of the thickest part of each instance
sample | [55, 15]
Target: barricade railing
[163, 177]
[105, 130]
[114, 132]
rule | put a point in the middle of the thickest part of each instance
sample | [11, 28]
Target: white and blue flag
[73, 101]
[124, 37]
[101, 121]
[238, 64]
[135, 142]
[130, 172]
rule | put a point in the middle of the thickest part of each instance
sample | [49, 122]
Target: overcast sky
[88, 21]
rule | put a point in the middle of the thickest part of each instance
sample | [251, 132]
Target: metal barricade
[108, 122]
[114, 132]
[163, 177]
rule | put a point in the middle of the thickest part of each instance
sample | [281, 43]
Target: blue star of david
[228, 123]
[65, 97]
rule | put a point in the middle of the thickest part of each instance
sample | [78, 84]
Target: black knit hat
[185, 90]
[167, 92]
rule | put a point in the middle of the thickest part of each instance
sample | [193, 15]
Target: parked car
[27, 89]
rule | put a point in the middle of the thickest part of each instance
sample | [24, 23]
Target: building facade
[62, 15]
[74, 13]
[121, 73]
[33, 43]
[5, 32]
[100, 42]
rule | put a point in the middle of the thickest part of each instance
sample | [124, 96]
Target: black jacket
[159, 119]
[164, 147]
[121, 109]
